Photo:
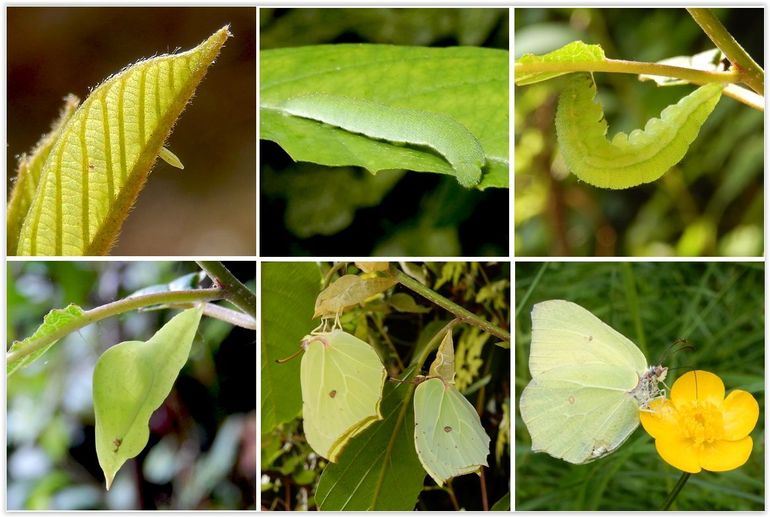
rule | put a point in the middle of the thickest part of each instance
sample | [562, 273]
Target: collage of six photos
[363, 195]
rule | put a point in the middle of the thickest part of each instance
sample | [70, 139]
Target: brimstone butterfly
[448, 435]
[589, 383]
[342, 379]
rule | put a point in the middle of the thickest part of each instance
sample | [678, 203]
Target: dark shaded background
[202, 448]
[209, 208]
[424, 214]
[711, 203]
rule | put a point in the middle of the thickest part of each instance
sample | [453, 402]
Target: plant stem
[236, 292]
[751, 73]
[675, 491]
[230, 316]
[459, 312]
[748, 97]
[113, 309]
[631, 67]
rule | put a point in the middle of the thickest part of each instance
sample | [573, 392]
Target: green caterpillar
[438, 131]
[640, 157]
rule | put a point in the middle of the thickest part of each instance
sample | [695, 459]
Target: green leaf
[28, 174]
[374, 97]
[575, 52]
[404, 302]
[53, 322]
[105, 151]
[289, 290]
[131, 380]
[503, 504]
[379, 468]
[641, 156]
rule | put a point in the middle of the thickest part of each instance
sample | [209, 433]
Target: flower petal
[741, 412]
[679, 453]
[660, 420]
[726, 455]
[698, 385]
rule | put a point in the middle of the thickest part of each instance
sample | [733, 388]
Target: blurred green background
[709, 204]
[209, 208]
[719, 308]
[202, 448]
[308, 209]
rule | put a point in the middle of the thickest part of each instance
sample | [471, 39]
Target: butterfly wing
[448, 434]
[577, 423]
[578, 406]
[566, 334]
[342, 379]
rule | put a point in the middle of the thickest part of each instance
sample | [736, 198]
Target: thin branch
[113, 309]
[236, 292]
[622, 66]
[751, 73]
[230, 316]
[746, 96]
[459, 312]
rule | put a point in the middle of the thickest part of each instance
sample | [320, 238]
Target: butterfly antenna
[679, 345]
[289, 358]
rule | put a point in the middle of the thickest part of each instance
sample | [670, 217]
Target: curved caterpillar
[640, 157]
[438, 131]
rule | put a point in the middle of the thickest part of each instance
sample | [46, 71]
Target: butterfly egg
[170, 158]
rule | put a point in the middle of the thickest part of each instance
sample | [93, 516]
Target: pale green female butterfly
[342, 379]
[448, 435]
[589, 383]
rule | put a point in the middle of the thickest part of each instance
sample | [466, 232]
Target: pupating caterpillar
[628, 160]
[438, 131]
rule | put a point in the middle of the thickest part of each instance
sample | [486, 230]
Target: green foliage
[574, 52]
[28, 174]
[205, 428]
[131, 380]
[710, 203]
[54, 322]
[379, 468]
[718, 308]
[289, 292]
[104, 152]
[443, 101]
[393, 212]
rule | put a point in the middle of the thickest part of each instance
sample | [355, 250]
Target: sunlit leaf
[105, 151]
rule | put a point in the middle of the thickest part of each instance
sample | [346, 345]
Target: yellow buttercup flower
[698, 428]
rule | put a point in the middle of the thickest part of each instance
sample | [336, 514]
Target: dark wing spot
[117, 442]
[447, 429]
[333, 393]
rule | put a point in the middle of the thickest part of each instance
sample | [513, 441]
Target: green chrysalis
[640, 157]
[438, 131]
